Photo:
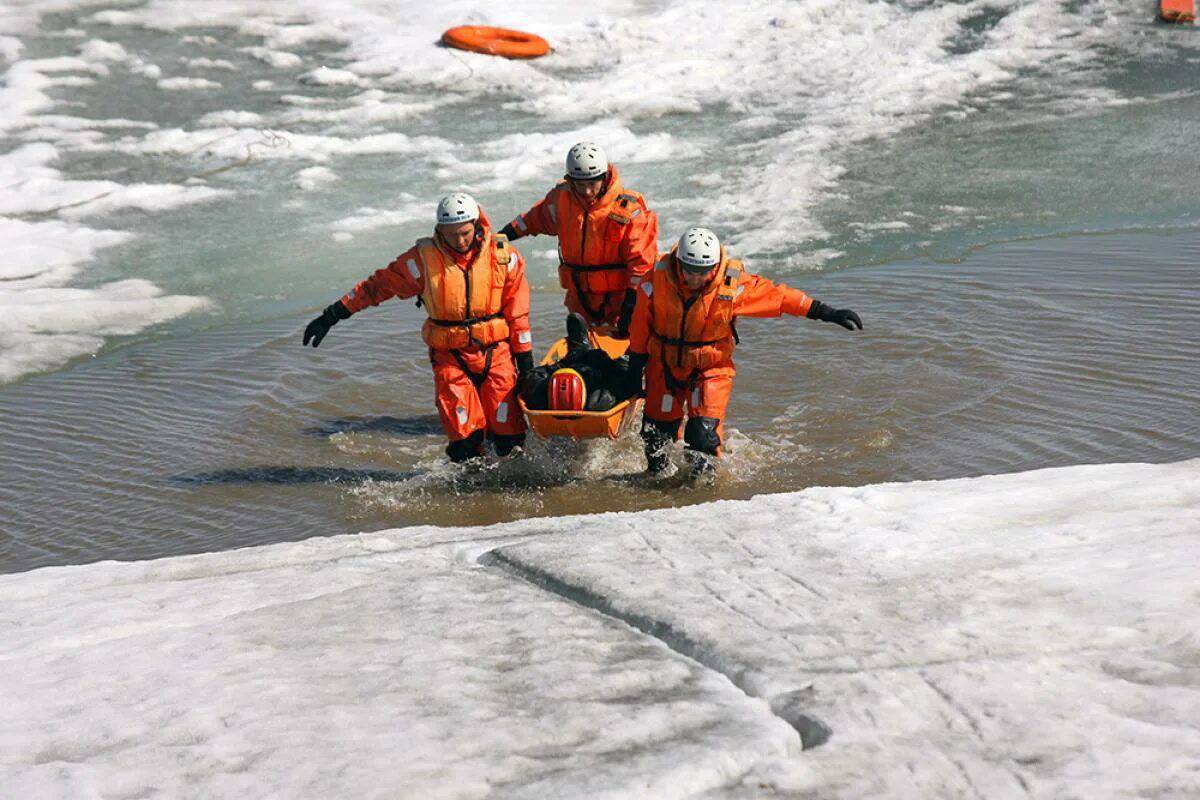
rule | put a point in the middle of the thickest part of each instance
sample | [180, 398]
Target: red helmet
[567, 391]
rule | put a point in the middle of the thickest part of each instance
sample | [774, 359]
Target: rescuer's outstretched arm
[541, 220]
[401, 278]
[759, 297]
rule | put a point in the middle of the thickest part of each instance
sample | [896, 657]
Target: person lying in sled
[607, 238]
[473, 287]
[585, 379]
[682, 335]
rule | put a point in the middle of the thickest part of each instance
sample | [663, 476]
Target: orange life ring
[1178, 10]
[496, 41]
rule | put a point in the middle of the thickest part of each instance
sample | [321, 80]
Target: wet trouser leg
[468, 412]
[458, 405]
[704, 433]
[705, 398]
[501, 409]
[662, 416]
[707, 402]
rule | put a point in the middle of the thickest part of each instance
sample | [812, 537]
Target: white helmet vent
[586, 161]
[457, 207]
[699, 250]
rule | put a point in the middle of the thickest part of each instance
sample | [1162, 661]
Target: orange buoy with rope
[496, 41]
[1178, 10]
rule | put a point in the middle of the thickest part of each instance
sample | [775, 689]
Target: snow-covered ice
[1035, 633]
[46, 322]
[183, 83]
[1019, 635]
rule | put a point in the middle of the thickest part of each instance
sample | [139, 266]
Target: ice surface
[1019, 635]
[324, 76]
[1034, 633]
[101, 50]
[182, 83]
[210, 63]
[41, 253]
[353, 667]
[310, 178]
[402, 209]
[45, 326]
[10, 48]
[808, 79]
[31, 186]
[235, 143]
[44, 322]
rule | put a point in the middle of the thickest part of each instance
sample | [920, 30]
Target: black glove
[320, 326]
[842, 316]
[633, 374]
[627, 306]
[510, 232]
[532, 386]
[524, 365]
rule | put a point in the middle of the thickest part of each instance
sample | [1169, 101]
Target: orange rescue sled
[585, 424]
[1178, 10]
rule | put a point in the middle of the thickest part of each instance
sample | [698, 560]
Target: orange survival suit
[478, 307]
[604, 249]
[686, 341]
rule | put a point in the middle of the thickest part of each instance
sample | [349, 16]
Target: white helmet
[699, 250]
[586, 161]
[457, 207]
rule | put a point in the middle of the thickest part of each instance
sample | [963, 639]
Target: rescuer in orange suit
[607, 238]
[682, 336]
[472, 285]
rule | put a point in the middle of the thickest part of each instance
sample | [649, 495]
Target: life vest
[464, 305]
[692, 332]
[589, 240]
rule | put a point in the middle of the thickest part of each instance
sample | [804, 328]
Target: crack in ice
[813, 732]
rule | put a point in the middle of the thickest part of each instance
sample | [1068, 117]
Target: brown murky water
[1023, 355]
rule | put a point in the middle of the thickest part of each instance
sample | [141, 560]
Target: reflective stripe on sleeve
[525, 337]
[413, 269]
